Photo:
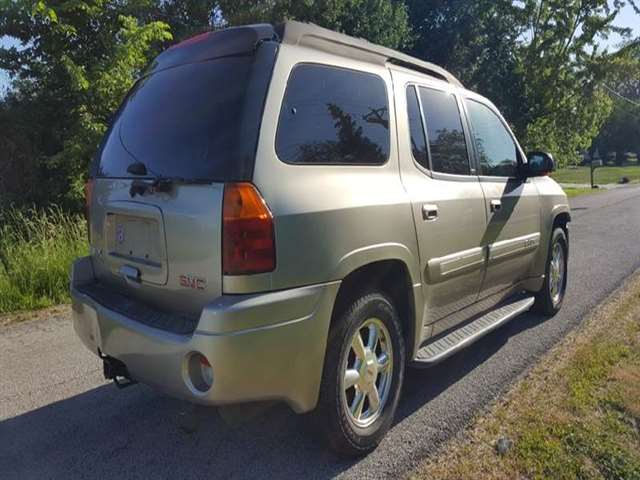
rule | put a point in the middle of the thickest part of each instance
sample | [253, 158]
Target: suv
[288, 213]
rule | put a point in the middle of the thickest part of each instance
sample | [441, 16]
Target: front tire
[362, 376]
[549, 299]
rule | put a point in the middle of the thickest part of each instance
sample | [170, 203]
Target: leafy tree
[540, 61]
[476, 41]
[563, 68]
[77, 61]
[184, 17]
[620, 132]
[379, 21]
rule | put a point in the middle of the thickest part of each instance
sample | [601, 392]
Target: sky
[626, 18]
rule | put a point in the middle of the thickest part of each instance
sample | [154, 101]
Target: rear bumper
[261, 347]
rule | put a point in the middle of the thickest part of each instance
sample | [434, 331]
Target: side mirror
[539, 164]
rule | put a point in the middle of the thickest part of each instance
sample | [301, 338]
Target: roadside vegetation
[576, 415]
[576, 192]
[603, 175]
[546, 64]
[37, 247]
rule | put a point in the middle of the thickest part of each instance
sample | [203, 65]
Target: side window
[333, 116]
[416, 129]
[496, 148]
[444, 130]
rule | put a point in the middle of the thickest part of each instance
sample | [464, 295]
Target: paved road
[58, 419]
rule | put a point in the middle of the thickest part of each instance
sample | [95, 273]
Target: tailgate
[161, 248]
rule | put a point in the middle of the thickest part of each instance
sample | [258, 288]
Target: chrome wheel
[556, 273]
[367, 373]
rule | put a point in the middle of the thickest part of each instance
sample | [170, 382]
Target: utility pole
[594, 164]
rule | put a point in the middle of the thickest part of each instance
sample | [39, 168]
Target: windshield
[185, 121]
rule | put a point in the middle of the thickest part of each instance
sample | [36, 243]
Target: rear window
[333, 116]
[187, 121]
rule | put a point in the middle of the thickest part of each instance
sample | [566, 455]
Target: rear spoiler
[209, 45]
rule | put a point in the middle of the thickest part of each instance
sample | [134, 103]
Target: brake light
[248, 243]
[88, 197]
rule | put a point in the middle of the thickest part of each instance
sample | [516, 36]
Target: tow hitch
[117, 371]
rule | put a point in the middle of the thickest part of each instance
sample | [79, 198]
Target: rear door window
[447, 144]
[416, 128]
[333, 115]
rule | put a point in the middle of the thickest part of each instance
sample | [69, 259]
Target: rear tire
[550, 297]
[352, 416]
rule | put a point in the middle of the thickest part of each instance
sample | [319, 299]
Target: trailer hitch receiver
[116, 370]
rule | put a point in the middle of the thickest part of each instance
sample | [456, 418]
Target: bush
[37, 247]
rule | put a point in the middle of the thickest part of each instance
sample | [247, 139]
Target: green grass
[575, 192]
[602, 175]
[576, 416]
[597, 435]
[36, 251]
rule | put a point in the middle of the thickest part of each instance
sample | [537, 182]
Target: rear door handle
[429, 212]
[496, 205]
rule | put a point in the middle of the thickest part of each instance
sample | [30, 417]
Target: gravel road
[59, 419]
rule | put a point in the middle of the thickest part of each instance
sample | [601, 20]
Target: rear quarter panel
[329, 220]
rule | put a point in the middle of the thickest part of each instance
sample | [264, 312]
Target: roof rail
[308, 34]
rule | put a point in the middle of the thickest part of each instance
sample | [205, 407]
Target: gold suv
[290, 213]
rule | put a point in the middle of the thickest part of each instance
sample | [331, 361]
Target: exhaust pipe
[116, 370]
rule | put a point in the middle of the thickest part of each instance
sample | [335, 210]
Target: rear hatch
[187, 127]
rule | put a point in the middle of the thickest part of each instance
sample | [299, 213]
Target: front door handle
[429, 212]
[496, 205]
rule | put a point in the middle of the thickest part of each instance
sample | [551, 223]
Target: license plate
[135, 239]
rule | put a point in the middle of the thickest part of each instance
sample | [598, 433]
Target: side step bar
[437, 350]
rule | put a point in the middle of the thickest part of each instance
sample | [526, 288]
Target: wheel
[549, 298]
[362, 376]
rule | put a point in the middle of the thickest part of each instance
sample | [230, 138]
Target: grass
[36, 251]
[575, 416]
[575, 192]
[603, 175]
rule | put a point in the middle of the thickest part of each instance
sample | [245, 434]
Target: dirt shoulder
[7, 319]
[575, 415]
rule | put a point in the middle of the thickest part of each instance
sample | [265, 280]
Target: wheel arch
[391, 277]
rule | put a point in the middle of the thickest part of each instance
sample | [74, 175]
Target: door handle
[429, 212]
[131, 275]
[496, 205]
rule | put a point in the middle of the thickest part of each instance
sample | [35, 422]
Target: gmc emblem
[196, 283]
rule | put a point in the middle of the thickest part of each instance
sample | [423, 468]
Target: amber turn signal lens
[248, 244]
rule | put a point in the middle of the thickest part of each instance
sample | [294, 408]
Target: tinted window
[496, 148]
[444, 131]
[333, 116]
[416, 130]
[185, 121]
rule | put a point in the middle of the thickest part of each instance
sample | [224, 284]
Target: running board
[441, 348]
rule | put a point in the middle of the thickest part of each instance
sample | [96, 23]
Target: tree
[620, 132]
[563, 68]
[379, 21]
[540, 61]
[77, 61]
[476, 41]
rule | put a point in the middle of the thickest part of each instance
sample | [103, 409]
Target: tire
[346, 434]
[549, 299]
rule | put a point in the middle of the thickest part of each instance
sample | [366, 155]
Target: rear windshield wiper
[158, 183]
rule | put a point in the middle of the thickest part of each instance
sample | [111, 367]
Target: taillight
[248, 244]
[88, 196]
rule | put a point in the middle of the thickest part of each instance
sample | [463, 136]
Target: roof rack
[308, 34]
